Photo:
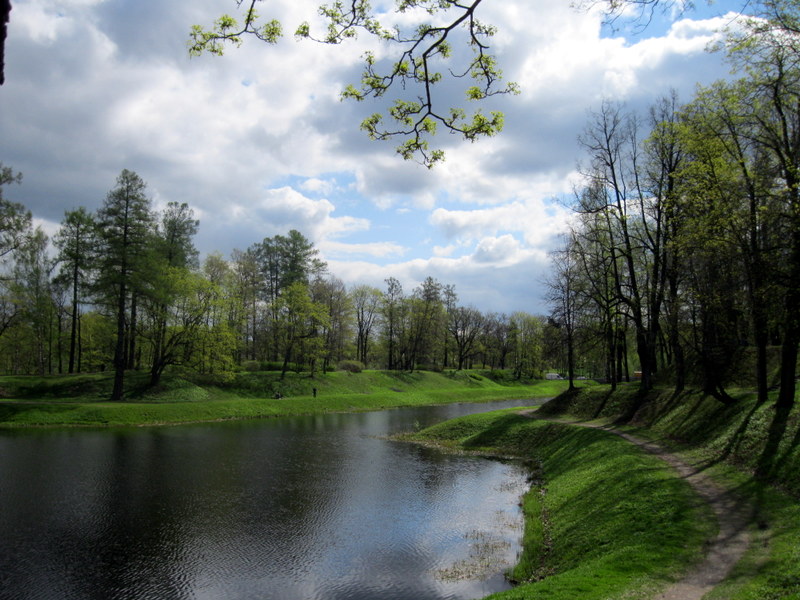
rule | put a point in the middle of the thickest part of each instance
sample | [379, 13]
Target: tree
[75, 242]
[630, 187]
[464, 325]
[393, 310]
[424, 320]
[125, 231]
[331, 293]
[244, 311]
[564, 297]
[283, 261]
[176, 253]
[177, 229]
[497, 340]
[767, 51]
[32, 291]
[527, 337]
[611, 138]
[366, 302]
[15, 220]
[179, 318]
[300, 320]
[728, 165]
[217, 349]
[15, 230]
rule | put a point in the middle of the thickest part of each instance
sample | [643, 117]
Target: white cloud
[315, 185]
[444, 251]
[249, 140]
[504, 250]
[538, 221]
[284, 208]
[369, 250]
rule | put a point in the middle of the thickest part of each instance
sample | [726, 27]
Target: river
[309, 508]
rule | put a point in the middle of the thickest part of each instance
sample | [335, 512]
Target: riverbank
[596, 528]
[80, 400]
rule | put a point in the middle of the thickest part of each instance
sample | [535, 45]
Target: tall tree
[768, 52]
[15, 230]
[175, 255]
[245, 311]
[631, 184]
[300, 320]
[465, 324]
[393, 313]
[125, 231]
[283, 260]
[33, 294]
[15, 220]
[366, 302]
[75, 242]
[564, 297]
[728, 167]
[425, 321]
[331, 293]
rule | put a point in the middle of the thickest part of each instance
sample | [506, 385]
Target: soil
[732, 514]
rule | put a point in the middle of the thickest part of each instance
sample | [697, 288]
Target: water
[306, 508]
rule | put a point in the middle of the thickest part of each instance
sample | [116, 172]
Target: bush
[351, 366]
[251, 366]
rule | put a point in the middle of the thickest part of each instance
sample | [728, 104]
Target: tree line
[122, 288]
[685, 252]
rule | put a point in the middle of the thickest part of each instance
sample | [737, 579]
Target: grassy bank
[80, 400]
[607, 521]
[747, 447]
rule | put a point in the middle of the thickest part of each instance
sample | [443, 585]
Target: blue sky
[258, 142]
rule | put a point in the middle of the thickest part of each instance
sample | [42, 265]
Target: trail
[722, 552]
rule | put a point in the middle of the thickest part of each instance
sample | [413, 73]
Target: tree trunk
[132, 334]
[119, 348]
[792, 332]
[73, 336]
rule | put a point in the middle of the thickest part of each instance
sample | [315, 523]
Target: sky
[258, 141]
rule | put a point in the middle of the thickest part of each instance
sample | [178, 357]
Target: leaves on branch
[415, 116]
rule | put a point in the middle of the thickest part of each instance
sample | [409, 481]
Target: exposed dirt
[722, 552]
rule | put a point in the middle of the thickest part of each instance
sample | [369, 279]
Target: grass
[747, 447]
[81, 400]
[607, 520]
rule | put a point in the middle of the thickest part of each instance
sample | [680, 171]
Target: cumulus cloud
[538, 221]
[250, 140]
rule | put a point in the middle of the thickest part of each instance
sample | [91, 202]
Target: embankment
[584, 537]
[80, 400]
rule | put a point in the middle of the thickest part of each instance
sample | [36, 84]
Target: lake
[309, 508]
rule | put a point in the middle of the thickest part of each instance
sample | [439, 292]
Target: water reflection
[301, 508]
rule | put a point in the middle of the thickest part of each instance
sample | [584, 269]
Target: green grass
[81, 400]
[747, 447]
[608, 519]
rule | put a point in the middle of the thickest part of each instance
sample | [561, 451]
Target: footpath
[722, 552]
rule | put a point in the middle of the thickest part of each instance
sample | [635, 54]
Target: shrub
[251, 365]
[351, 366]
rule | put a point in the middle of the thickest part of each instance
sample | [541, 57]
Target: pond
[307, 508]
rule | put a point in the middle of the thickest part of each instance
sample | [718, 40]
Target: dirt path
[722, 552]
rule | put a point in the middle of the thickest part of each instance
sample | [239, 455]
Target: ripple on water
[292, 509]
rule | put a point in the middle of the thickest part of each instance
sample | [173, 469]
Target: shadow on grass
[769, 462]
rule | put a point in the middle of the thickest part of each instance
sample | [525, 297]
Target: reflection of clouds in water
[317, 507]
[494, 549]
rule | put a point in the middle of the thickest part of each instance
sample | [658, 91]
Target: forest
[682, 261]
[123, 288]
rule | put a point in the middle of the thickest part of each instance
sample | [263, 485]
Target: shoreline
[29, 415]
